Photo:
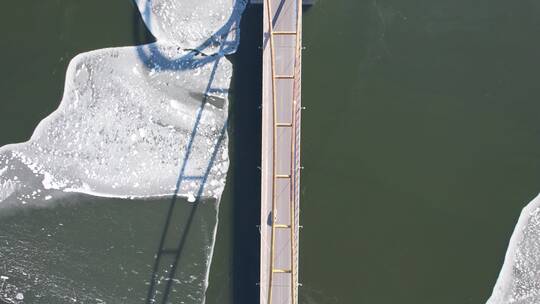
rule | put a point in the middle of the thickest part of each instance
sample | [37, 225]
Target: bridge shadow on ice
[245, 156]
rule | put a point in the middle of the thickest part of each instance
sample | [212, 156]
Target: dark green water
[420, 143]
[421, 146]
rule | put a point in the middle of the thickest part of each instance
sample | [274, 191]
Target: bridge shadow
[150, 55]
[246, 127]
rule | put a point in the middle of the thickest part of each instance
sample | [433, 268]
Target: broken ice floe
[518, 281]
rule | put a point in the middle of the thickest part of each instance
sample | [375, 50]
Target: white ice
[205, 25]
[519, 279]
[125, 125]
[141, 121]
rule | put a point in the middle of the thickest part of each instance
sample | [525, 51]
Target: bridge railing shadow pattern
[150, 55]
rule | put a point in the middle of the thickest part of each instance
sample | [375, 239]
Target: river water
[420, 146]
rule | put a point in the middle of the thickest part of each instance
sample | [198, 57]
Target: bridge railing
[294, 174]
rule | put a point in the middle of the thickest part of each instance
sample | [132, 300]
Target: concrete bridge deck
[280, 150]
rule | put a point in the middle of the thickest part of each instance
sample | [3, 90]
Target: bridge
[280, 168]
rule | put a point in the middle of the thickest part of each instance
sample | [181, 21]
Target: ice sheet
[138, 121]
[518, 282]
[141, 121]
[124, 126]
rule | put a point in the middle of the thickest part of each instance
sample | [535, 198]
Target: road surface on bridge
[280, 179]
